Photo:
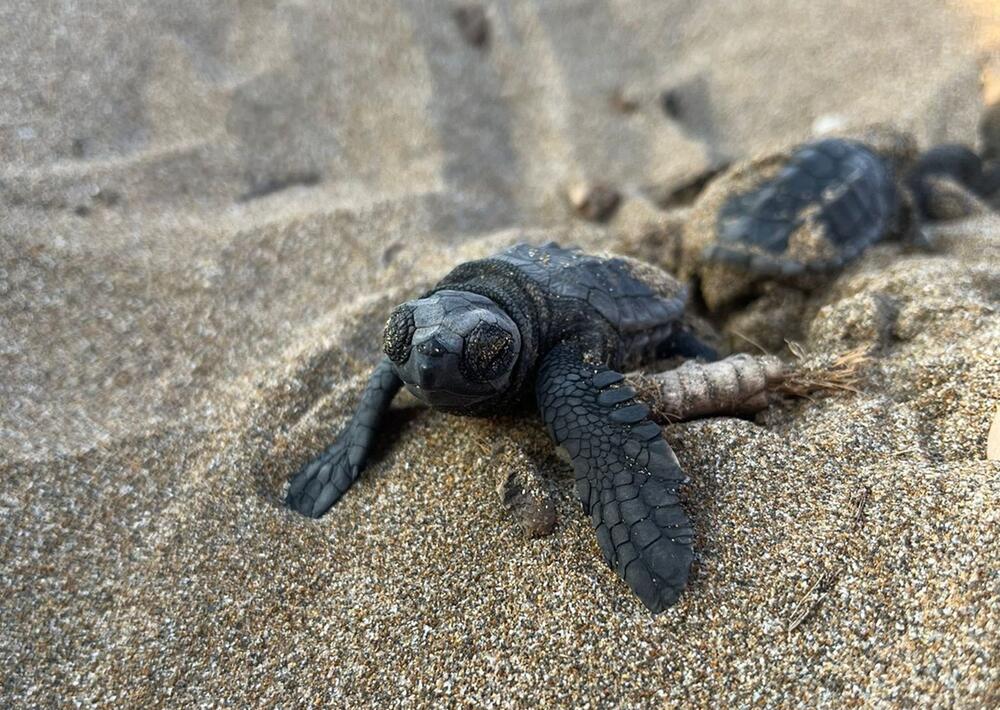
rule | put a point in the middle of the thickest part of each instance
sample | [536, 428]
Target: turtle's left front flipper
[320, 483]
[626, 475]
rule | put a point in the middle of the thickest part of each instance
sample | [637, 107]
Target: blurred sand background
[206, 211]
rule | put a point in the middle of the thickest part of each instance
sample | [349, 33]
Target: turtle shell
[819, 210]
[631, 295]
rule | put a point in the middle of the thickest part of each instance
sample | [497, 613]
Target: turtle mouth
[437, 397]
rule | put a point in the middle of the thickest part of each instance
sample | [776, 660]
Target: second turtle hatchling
[795, 217]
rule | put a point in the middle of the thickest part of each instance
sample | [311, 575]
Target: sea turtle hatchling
[795, 217]
[557, 326]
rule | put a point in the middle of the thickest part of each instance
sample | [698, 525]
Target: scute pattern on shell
[616, 287]
[838, 192]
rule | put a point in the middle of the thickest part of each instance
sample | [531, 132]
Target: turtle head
[452, 349]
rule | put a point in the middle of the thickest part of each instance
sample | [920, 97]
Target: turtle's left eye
[397, 337]
[488, 353]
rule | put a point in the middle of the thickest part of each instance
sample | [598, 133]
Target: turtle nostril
[432, 348]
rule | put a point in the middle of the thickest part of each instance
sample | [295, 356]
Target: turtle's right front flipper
[626, 475]
[321, 482]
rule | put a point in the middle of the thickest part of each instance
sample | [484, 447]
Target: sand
[207, 211]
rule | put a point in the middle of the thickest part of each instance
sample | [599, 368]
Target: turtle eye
[398, 334]
[488, 353]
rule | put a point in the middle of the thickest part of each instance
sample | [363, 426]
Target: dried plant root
[740, 385]
[840, 375]
[736, 385]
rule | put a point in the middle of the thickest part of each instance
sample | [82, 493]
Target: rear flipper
[948, 182]
[320, 483]
[947, 199]
[685, 343]
[990, 184]
[626, 475]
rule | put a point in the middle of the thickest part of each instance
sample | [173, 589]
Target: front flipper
[626, 475]
[321, 482]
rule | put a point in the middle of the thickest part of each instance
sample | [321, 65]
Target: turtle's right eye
[489, 353]
[398, 334]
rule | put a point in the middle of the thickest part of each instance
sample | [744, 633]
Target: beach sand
[208, 210]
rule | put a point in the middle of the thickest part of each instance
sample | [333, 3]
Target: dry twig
[808, 603]
[843, 375]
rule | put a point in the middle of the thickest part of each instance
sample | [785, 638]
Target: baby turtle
[555, 326]
[795, 217]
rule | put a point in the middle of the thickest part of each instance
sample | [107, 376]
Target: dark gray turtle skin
[552, 327]
[794, 217]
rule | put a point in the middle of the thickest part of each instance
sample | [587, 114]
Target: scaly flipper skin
[626, 475]
[321, 482]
